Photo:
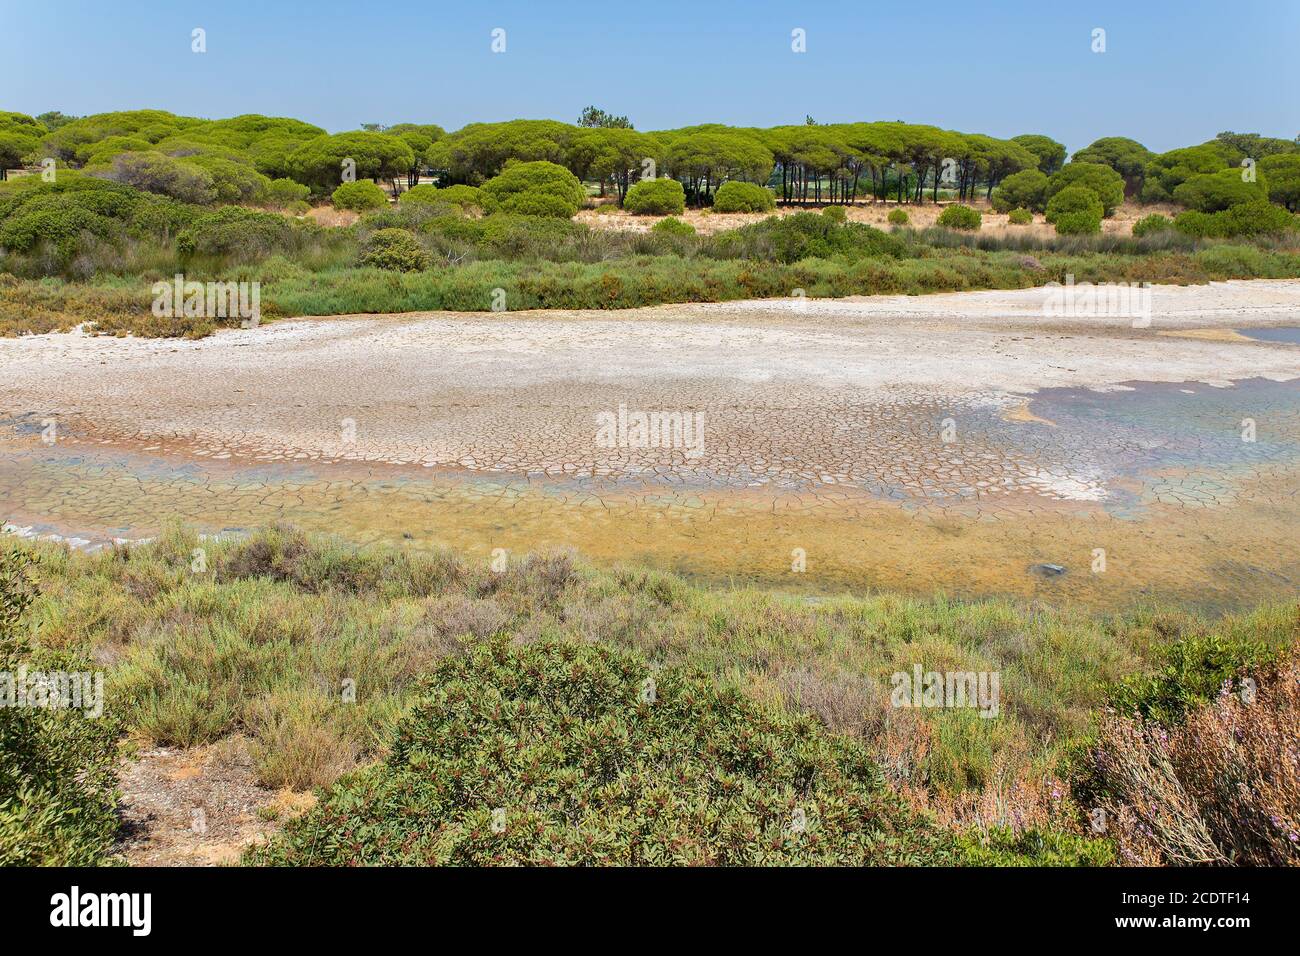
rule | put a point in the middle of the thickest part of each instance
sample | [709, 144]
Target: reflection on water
[1186, 492]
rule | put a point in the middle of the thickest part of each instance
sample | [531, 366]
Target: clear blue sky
[1174, 73]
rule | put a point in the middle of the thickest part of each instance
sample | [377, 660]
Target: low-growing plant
[961, 217]
[898, 217]
[673, 226]
[1149, 225]
[564, 753]
[396, 250]
[836, 214]
[1020, 217]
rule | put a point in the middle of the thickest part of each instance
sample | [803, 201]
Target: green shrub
[804, 235]
[245, 233]
[673, 227]
[655, 197]
[899, 217]
[1153, 223]
[1255, 218]
[1197, 224]
[396, 250]
[1217, 191]
[1107, 184]
[462, 196]
[1189, 672]
[737, 196]
[572, 754]
[235, 182]
[285, 193]
[836, 214]
[1076, 210]
[156, 173]
[1004, 847]
[58, 215]
[57, 764]
[960, 217]
[1020, 217]
[1026, 189]
[359, 196]
[533, 189]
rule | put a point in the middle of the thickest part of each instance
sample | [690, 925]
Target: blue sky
[1174, 73]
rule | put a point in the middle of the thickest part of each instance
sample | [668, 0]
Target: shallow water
[1279, 334]
[1152, 493]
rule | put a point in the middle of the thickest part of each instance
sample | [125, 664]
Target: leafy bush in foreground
[960, 217]
[737, 196]
[655, 197]
[57, 766]
[1020, 217]
[898, 217]
[359, 196]
[1247, 219]
[565, 753]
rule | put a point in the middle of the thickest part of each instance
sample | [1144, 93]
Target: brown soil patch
[197, 807]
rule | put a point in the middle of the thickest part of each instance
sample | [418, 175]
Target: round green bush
[960, 217]
[533, 189]
[1025, 189]
[396, 250]
[1078, 224]
[1102, 180]
[899, 217]
[673, 227]
[359, 196]
[737, 196]
[557, 753]
[1020, 217]
[1074, 199]
[462, 196]
[1197, 224]
[286, 193]
[1151, 224]
[837, 214]
[655, 197]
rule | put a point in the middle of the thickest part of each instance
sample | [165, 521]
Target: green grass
[267, 642]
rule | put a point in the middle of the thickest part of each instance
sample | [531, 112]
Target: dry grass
[1222, 787]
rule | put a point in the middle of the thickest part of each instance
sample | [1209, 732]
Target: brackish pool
[1183, 493]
